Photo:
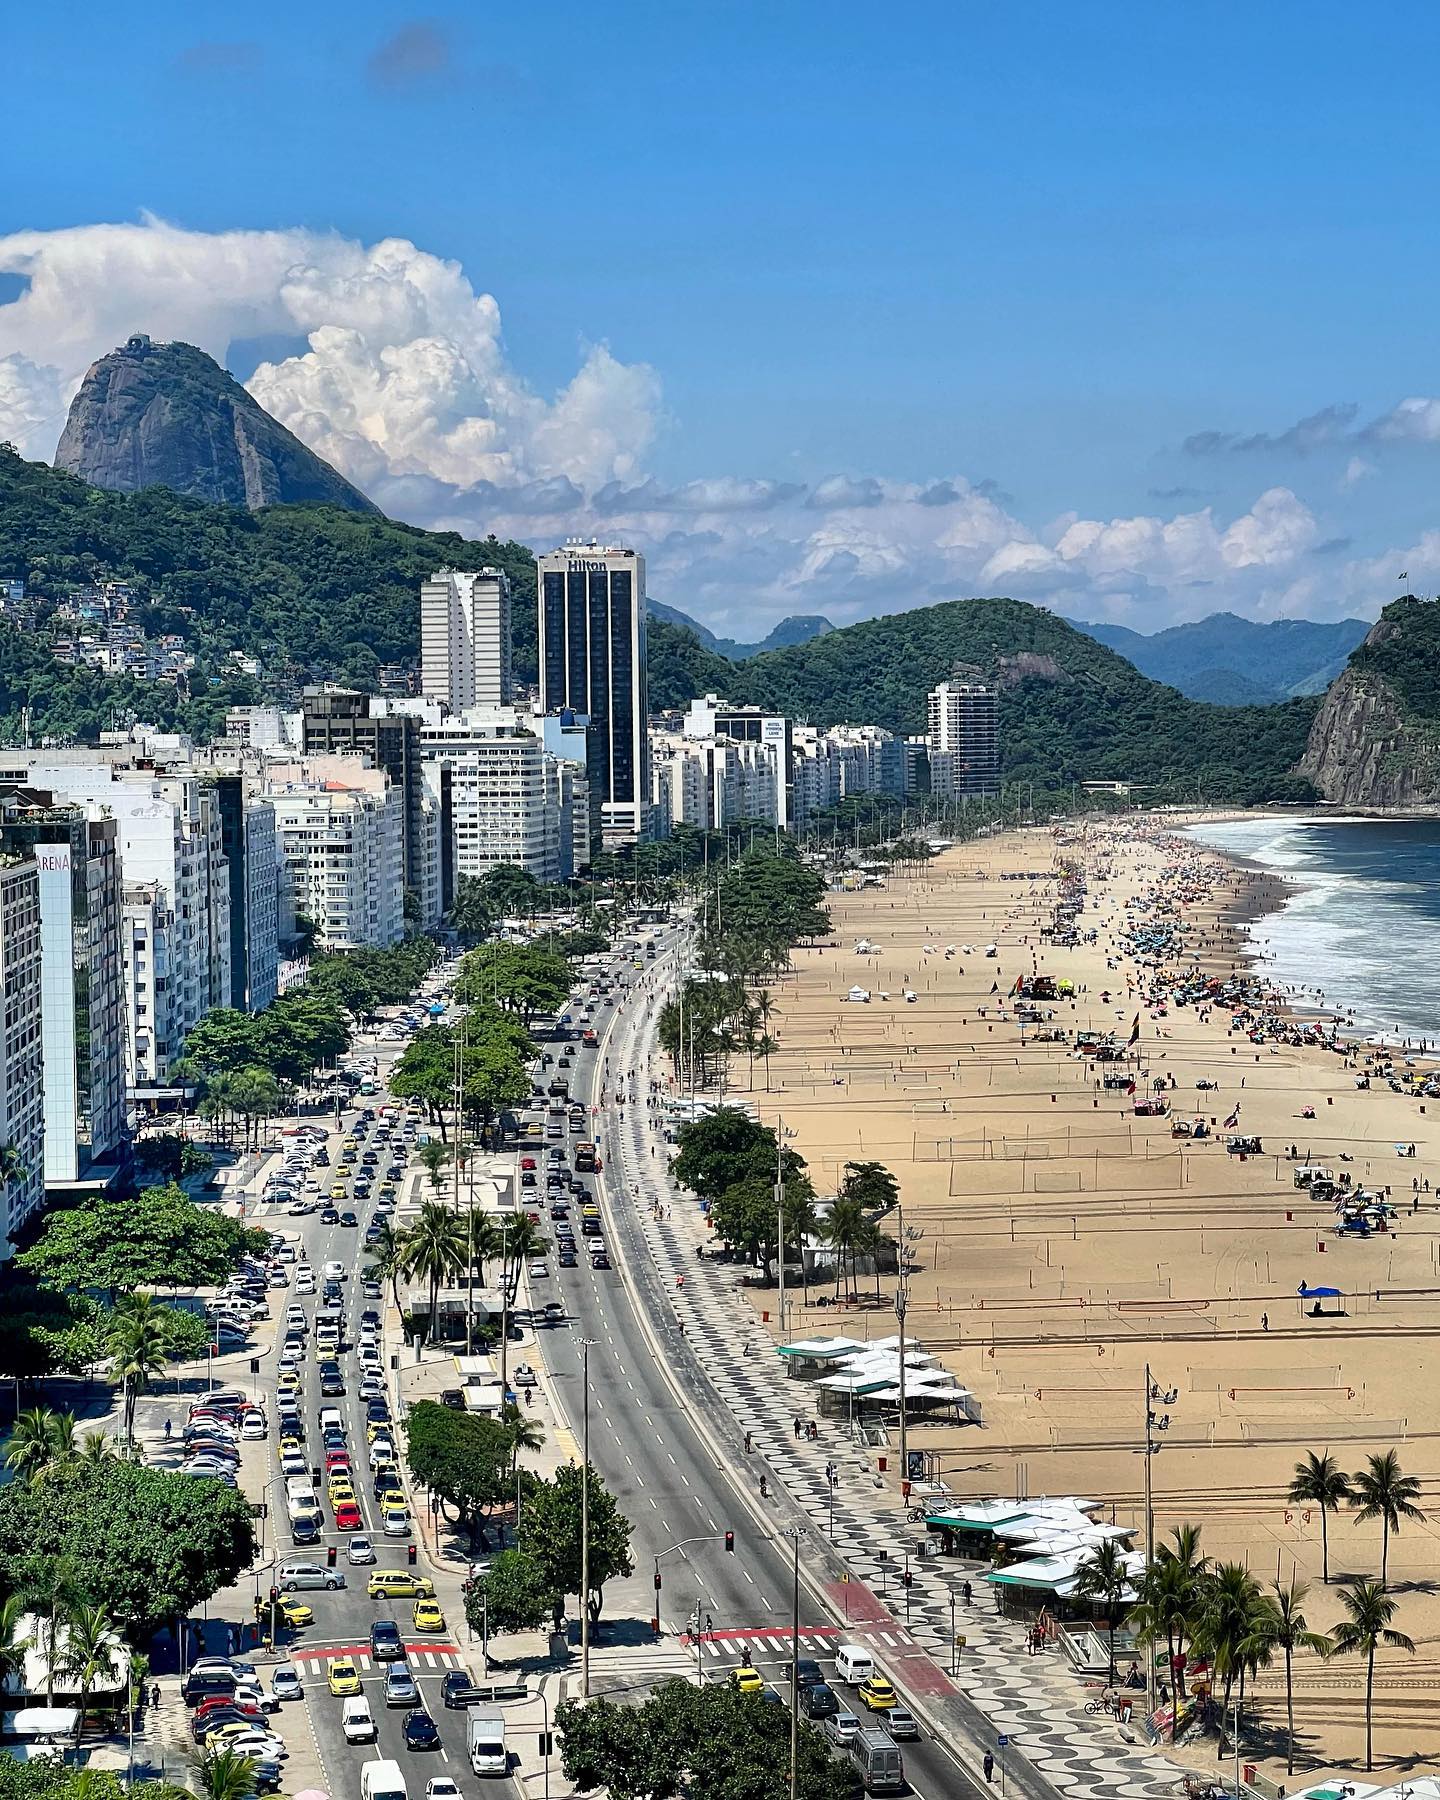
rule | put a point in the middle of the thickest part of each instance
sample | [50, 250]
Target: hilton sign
[577, 566]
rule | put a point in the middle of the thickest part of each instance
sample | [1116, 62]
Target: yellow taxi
[341, 1492]
[338, 1191]
[877, 1693]
[295, 1613]
[387, 1190]
[747, 1680]
[344, 1678]
[222, 1734]
[289, 1383]
[427, 1616]
[399, 1584]
[290, 1441]
[389, 1493]
[378, 1428]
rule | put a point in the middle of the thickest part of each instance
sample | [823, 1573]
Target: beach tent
[1319, 1295]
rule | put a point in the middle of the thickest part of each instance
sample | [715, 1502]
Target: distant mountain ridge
[799, 628]
[1231, 661]
[167, 415]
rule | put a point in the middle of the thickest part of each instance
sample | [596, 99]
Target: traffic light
[410, 1555]
[259, 1608]
[330, 1554]
[730, 1542]
[906, 1579]
[274, 1595]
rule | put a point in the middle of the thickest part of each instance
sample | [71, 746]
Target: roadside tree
[550, 1532]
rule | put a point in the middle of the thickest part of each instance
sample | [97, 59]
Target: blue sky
[1031, 249]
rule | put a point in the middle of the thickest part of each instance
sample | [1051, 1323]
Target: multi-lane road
[681, 1489]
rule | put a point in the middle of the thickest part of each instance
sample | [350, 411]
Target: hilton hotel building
[592, 660]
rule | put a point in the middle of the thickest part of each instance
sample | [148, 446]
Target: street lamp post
[586, 1346]
[795, 1536]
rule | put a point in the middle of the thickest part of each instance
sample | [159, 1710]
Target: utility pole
[586, 1346]
[902, 1303]
[795, 1537]
[780, 1215]
[1153, 1393]
[504, 1302]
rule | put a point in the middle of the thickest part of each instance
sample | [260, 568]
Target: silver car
[842, 1728]
[400, 1688]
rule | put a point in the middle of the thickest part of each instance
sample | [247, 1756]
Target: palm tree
[95, 1448]
[434, 1156]
[31, 1445]
[521, 1239]
[1369, 1611]
[50, 1586]
[226, 1775]
[388, 1256]
[484, 1241]
[91, 1656]
[434, 1247]
[1226, 1625]
[1281, 1622]
[137, 1344]
[12, 1645]
[844, 1229]
[1320, 1481]
[1105, 1578]
[1381, 1491]
[526, 1433]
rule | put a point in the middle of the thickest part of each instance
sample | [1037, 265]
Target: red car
[337, 1459]
[200, 1723]
[527, 1162]
[347, 1517]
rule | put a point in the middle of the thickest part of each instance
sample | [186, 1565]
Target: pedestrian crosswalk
[769, 1643]
[415, 1655]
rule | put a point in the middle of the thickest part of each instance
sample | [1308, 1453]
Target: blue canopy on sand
[1306, 1292]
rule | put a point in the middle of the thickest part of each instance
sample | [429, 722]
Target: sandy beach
[1068, 1243]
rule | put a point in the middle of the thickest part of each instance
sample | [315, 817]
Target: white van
[300, 1490]
[853, 1664]
[357, 1721]
[382, 1781]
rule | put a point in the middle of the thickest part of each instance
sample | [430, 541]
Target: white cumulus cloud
[401, 378]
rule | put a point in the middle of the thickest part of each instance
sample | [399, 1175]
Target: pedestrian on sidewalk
[989, 1766]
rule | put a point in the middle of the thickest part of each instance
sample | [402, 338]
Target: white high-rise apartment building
[171, 836]
[964, 739]
[22, 1065]
[592, 661]
[339, 828]
[465, 638]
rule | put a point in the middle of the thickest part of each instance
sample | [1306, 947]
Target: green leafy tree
[1368, 1627]
[871, 1185]
[519, 978]
[152, 1545]
[463, 1458]
[726, 1147]
[160, 1238]
[514, 1596]
[1320, 1481]
[550, 1531]
[1383, 1491]
[695, 1743]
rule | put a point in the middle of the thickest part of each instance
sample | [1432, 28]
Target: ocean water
[1364, 925]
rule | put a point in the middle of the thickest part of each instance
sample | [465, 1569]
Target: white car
[360, 1551]
[334, 1271]
[441, 1787]
[262, 1744]
[293, 1463]
[297, 1209]
[381, 1451]
[304, 1282]
[539, 1271]
[372, 1387]
[254, 1425]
